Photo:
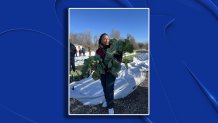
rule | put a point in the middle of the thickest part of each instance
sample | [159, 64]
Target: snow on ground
[90, 92]
[79, 60]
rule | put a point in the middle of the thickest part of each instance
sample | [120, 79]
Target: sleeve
[97, 52]
[100, 52]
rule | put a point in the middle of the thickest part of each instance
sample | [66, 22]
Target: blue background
[33, 61]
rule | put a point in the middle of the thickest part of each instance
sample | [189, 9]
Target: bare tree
[89, 39]
[83, 38]
[73, 38]
[115, 34]
[86, 39]
[95, 41]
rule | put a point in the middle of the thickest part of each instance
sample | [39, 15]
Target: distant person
[80, 52]
[72, 57]
[107, 79]
[89, 49]
[83, 51]
[76, 52]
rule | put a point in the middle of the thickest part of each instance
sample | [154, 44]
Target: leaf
[110, 64]
[93, 63]
[96, 76]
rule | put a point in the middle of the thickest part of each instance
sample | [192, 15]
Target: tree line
[87, 40]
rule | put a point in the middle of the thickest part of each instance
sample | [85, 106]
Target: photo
[108, 61]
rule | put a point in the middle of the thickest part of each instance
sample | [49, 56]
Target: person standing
[83, 51]
[89, 49]
[107, 79]
[79, 51]
[72, 56]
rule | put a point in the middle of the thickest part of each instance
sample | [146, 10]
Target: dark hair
[99, 41]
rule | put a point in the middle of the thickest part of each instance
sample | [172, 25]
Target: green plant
[95, 65]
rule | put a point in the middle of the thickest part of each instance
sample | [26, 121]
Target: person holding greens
[107, 79]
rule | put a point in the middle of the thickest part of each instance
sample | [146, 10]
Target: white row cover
[90, 92]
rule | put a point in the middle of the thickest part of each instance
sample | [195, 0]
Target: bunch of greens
[94, 65]
[116, 48]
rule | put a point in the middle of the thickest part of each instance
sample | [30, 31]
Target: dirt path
[134, 103]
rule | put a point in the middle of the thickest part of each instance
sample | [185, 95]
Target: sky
[98, 21]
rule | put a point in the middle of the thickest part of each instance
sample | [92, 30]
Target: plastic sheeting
[90, 92]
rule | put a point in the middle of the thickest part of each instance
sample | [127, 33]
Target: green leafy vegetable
[96, 66]
[93, 64]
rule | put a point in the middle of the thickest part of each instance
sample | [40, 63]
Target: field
[134, 103]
